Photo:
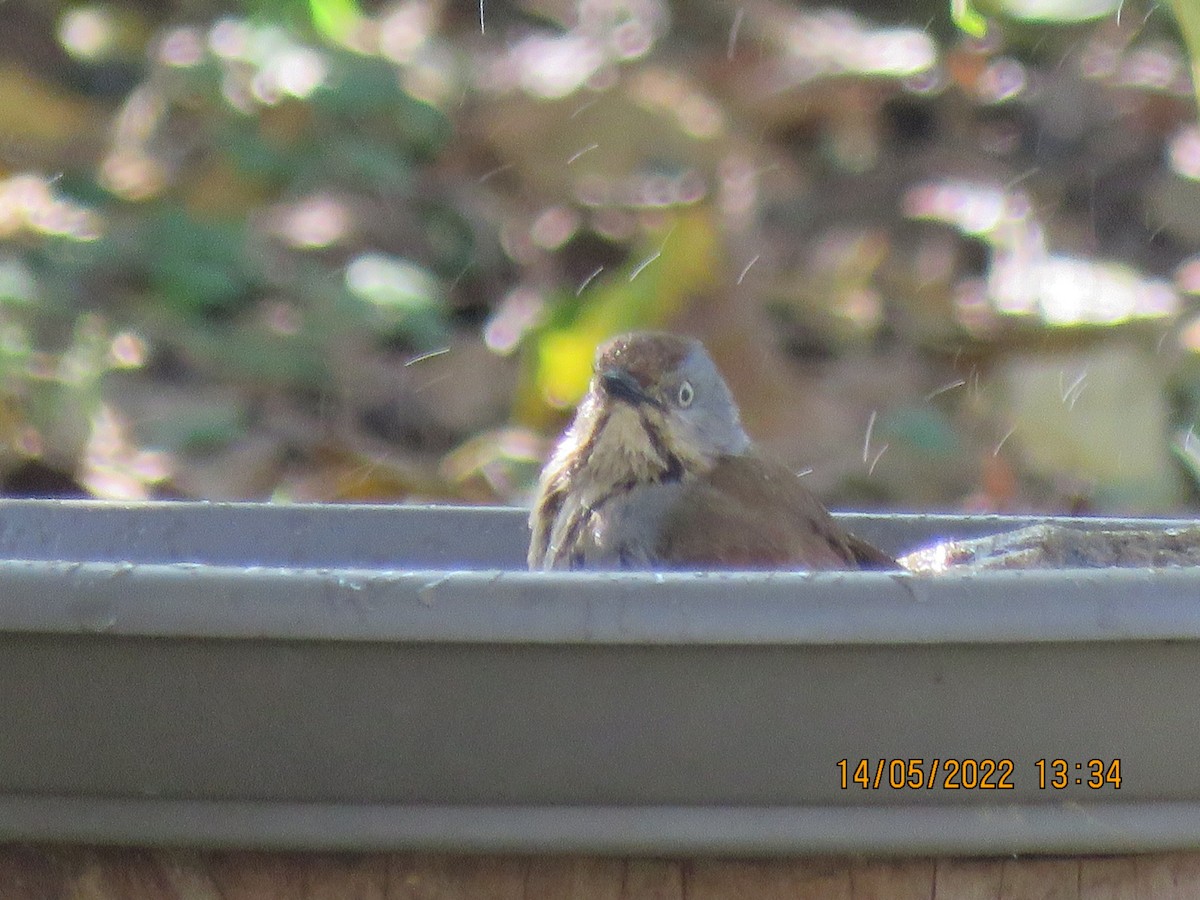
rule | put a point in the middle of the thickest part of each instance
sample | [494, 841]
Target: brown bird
[656, 472]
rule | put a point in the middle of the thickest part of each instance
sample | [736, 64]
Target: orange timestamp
[926, 774]
[971, 774]
[950, 774]
[1092, 773]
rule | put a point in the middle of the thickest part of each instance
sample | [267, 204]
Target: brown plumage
[767, 518]
[656, 472]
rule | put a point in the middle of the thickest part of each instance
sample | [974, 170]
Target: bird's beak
[620, 385]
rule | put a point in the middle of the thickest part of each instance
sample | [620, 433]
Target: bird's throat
[625, 447]
[629, 446]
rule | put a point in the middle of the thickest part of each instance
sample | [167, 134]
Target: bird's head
[656, 408]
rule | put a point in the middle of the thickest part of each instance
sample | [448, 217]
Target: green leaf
[251, 154]
[254, 354]
[334, 18]
[424, 128]
[18, 283]
[192, 425]
[967, 18]
[359, 86]
[1187, 13]
[196, 265]
[357, 159]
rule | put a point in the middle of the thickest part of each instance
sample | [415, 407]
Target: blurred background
[948, 256]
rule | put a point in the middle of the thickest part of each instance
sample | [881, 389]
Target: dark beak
[621, 385]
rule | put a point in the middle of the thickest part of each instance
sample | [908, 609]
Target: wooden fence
[73, 873]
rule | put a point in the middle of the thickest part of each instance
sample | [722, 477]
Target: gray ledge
[390, 677]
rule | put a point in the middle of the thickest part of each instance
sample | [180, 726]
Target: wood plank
[419, 876]
[968, 879]
[32, 873]
[1108, 878]
[813, 879]
[653, 879]
[1040, 879]
[84, 873]
[346, 876]
[1171, 876]
[189, 874]
[253, 875]
[892, 879]
[135, 874]
[574, 878]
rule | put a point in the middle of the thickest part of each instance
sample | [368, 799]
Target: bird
[656, 472]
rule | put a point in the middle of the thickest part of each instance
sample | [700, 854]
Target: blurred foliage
[1188, 16]
[967, 17]
[339, 249]
[648, 292]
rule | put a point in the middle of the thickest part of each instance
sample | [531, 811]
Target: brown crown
[646, 355]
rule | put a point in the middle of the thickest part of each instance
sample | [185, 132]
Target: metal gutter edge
[421, 606]
[731, 831]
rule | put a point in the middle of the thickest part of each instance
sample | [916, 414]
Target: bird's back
[745, 513]
[758, 515]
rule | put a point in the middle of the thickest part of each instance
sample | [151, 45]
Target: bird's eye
[686, 395]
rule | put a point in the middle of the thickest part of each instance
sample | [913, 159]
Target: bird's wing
[750, 512]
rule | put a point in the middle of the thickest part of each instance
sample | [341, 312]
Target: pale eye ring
[686, 395]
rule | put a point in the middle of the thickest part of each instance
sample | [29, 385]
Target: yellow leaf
[674, 263]
[565, 365]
